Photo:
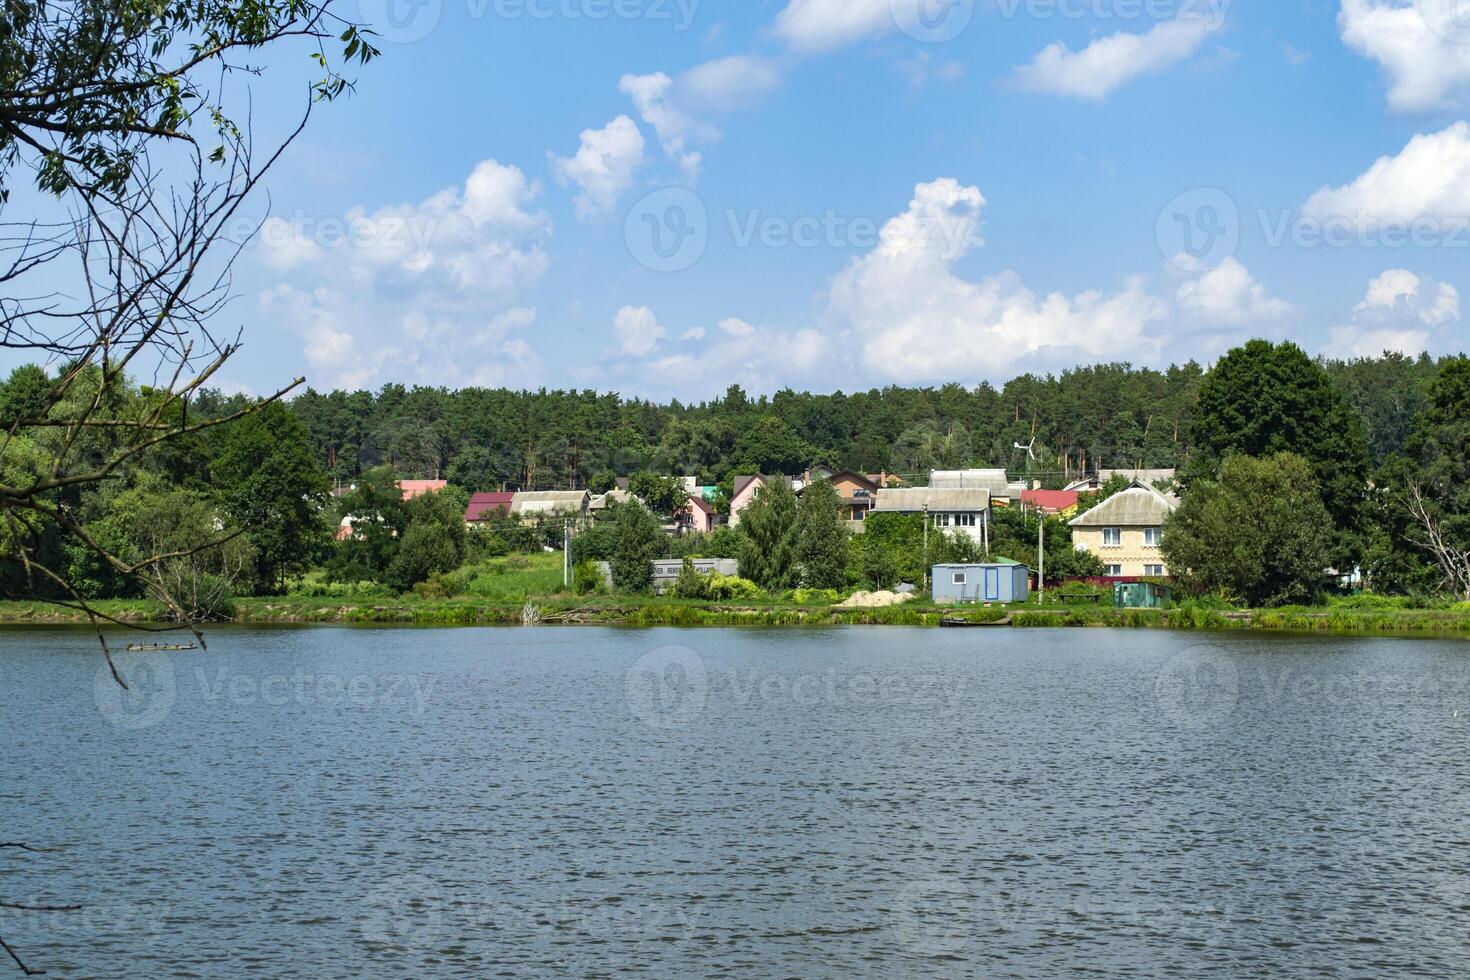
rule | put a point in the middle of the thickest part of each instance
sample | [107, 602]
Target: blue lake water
[848, 802]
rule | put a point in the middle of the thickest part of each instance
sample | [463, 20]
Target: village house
[1063, 502]
[745, 488]
[1126, 530]
[965, 511]
[1002, 489]
[532, 505]
[409, 488]
[856, 491]
[488, 507]
[697, 516]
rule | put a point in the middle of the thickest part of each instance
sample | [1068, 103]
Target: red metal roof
[1055, 501]
[417, 488]
[484, 506]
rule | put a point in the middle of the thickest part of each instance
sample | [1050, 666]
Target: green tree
[1437, 496]
[638, 539]
[267, 480]
[479, 470]
[1263, 399]
[197, 584]
[662, 494]
[821, 538]
[433, 541]
[1260, 532]
[769, 446]
[769, 553]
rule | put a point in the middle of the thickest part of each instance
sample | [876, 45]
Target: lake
[844, 802]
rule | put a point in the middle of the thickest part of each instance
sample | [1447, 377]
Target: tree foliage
[821, 537]
[1260, 532]
[638, 539]
[1263, 399]
[769, 554]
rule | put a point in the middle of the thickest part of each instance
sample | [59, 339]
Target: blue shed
[993, 582]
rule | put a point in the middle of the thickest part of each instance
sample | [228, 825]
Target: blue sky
[861, 197]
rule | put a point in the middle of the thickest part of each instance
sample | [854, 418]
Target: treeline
[1288, 466]
[1105, 416]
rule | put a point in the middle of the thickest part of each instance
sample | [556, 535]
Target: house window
[1112, 537]
[1152, 536]
[1153, 571]
[964, 520]
[1115, 571]
[941, 520]
[959, 578]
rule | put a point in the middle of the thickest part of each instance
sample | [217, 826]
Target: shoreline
[647, 612]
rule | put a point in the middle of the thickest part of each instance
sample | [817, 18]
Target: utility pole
[1041, 556]
[566, 554]
[926, 548]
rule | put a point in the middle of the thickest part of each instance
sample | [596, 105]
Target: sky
[665, 197]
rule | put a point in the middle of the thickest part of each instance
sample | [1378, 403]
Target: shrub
[724, 588]
[690, 584]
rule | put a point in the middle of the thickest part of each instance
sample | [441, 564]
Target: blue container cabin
[994, 582]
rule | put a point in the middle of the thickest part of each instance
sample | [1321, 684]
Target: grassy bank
[650, 611]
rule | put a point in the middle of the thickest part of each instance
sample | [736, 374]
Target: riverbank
[649, 611]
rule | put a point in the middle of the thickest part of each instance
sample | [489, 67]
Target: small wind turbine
[1030, 448]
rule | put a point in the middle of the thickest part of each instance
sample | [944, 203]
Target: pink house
[697, 516]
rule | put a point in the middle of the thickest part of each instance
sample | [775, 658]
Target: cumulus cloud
[1400, 312]
[1228, 295]
[1429, 179]
[1422, 45]
[425, 292]
[675, 108]
[815, 25]
[637, 329]
[1107, 63]
[915, 319]
[603, 166]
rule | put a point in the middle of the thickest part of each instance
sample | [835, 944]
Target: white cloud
[727, 84]
[1422, 47]
[1105, 64]
[638, 330]
[1229, 295]
[673, 108]
[761, 360]
[916, 320]
[1429, 179]
[815, 25]
[1400, 312]
[603, 167]
[424, 292]
[736, 327]
[674, 127]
